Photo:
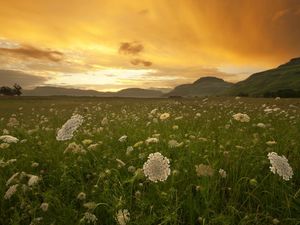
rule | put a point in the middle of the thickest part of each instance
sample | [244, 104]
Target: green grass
[183, 198]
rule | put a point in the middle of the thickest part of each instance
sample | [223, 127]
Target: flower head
[8, 139]
[280, 165]
[164, 116]
[123, 216]
[67, 130]
[241, 117]
[157, 167]
[204, 170]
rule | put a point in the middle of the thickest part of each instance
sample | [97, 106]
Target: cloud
[27, 81]
[33, 52]
[130, 48]
[137, 62]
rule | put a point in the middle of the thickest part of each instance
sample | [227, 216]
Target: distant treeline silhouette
[283, 93]
[11, 91]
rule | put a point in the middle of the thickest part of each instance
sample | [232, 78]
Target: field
[219, 167]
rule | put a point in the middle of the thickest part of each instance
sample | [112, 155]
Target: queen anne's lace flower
[8, 139]
[10, 192]
[241, 117]
[33, 180]
[204, 170]
[67, 130]
[280, 165]
[164, 116]
[157, 167]
[89, 218]
[123, 217]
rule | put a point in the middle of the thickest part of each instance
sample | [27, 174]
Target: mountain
[205, 86]
[282, 81]
[138, 93]
[59, 91]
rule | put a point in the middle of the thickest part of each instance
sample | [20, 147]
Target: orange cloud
[32, 52]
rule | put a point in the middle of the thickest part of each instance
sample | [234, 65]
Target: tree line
[11, 91]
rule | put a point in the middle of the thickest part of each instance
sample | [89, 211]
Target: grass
[250, 194]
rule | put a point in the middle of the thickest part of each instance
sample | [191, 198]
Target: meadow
[214, 152]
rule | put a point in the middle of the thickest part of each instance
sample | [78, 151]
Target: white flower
[174, 144]
[204, 170]
[11, 190]
[67, 130]
[33, 180]
[44, 206]
[241, 117]
[153, 111]
[164, 116]
[89, 218]
[151, 140]
[8, 139]
[123, 138]
[261, 125]
[157, 167]
[280, 165]
[123, 216]
[81, 196]
[222, 173]
[12, 178]
[271, 143]
[74, 148]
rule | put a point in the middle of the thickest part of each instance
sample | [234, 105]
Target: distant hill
[138, 93]
[282, 81]
[59, 91]
[205, 86]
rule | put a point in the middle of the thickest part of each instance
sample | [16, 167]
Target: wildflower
[8, 139]
[174, 144]
[33, 180]
[87, 142]
[175, 127]
[34, 164]
[89, 218]
[157, 167]
[164, 116]
[44, 206]
[4, 145]
[222, 173]
[280, 165]
[129, 150]
[92, 146]
[11, 191]
[67, 130]
[12, 122]
[123, 216]
[131, 169]
[204, 170]
[153, 111]
[241, 117]
[90, 205]
[12, 178]
[123, 138]
[74, 148]
[81, 196]
[271, 143]
[261, 125]
[104, 121]
[151, 140]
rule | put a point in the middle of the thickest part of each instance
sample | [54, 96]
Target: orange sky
[115, 44]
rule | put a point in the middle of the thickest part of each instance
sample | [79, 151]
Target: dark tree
[16, 90]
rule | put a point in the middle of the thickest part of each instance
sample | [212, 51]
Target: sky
[108, 45]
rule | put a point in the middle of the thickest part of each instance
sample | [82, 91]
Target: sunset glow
[110, 45]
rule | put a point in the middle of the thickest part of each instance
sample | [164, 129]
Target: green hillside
[283, 79]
